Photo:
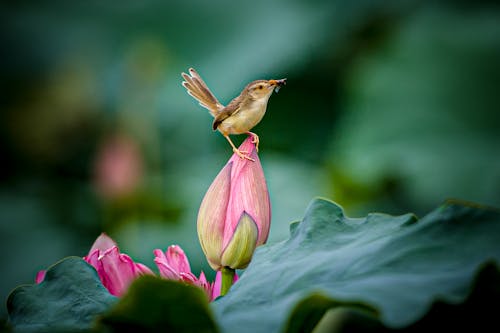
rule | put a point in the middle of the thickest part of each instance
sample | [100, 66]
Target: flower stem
[227, 279]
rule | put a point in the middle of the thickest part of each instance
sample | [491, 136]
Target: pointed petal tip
[102, 243]
[176, 257]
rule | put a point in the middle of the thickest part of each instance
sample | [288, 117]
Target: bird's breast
[245, 119]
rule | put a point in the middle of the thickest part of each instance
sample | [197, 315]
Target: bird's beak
[277, 83]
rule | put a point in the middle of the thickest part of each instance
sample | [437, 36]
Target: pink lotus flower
[173, 264]
[235, 214]
[116, 270]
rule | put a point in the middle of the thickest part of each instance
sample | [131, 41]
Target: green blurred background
[390, 106]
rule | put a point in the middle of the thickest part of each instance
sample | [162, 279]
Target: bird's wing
[232, 108]
[198, 89]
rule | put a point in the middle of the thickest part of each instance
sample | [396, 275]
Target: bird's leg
[255, 140]
[237, 151]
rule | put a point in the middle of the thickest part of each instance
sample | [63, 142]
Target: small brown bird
[241, 114]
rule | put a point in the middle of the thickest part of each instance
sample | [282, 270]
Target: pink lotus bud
[40, 276]
[235, 214]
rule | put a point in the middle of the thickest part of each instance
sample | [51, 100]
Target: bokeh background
[391, 106]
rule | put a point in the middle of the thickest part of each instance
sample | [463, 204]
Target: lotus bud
[235, 214]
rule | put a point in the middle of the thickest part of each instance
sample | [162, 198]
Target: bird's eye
[259, 87]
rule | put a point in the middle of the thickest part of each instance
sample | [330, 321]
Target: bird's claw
[255, 140]
[243, 154]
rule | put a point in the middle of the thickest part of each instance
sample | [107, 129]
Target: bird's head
[264, 88]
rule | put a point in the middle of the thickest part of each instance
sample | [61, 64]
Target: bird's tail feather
[198, 89]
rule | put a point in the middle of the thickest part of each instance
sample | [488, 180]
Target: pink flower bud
[235, 214]
[40, 276]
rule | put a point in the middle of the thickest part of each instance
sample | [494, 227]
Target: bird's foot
[243, 154]
[255, 140]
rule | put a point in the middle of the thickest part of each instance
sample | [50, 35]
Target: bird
[241, 114]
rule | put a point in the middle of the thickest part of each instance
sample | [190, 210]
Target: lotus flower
[235, 214]
[174, 265]
[116, 270]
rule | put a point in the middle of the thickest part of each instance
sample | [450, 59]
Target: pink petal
[103, 242]
[217, 285]
[188, 277]
[118, 271]
[202, 279]
[174, 265]
[205, 285]
[40, 276]
[93, 258]
[142, 269]
[177, 259]
[166, 271]
[159, 254]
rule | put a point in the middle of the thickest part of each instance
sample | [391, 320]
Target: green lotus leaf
[392, 267]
